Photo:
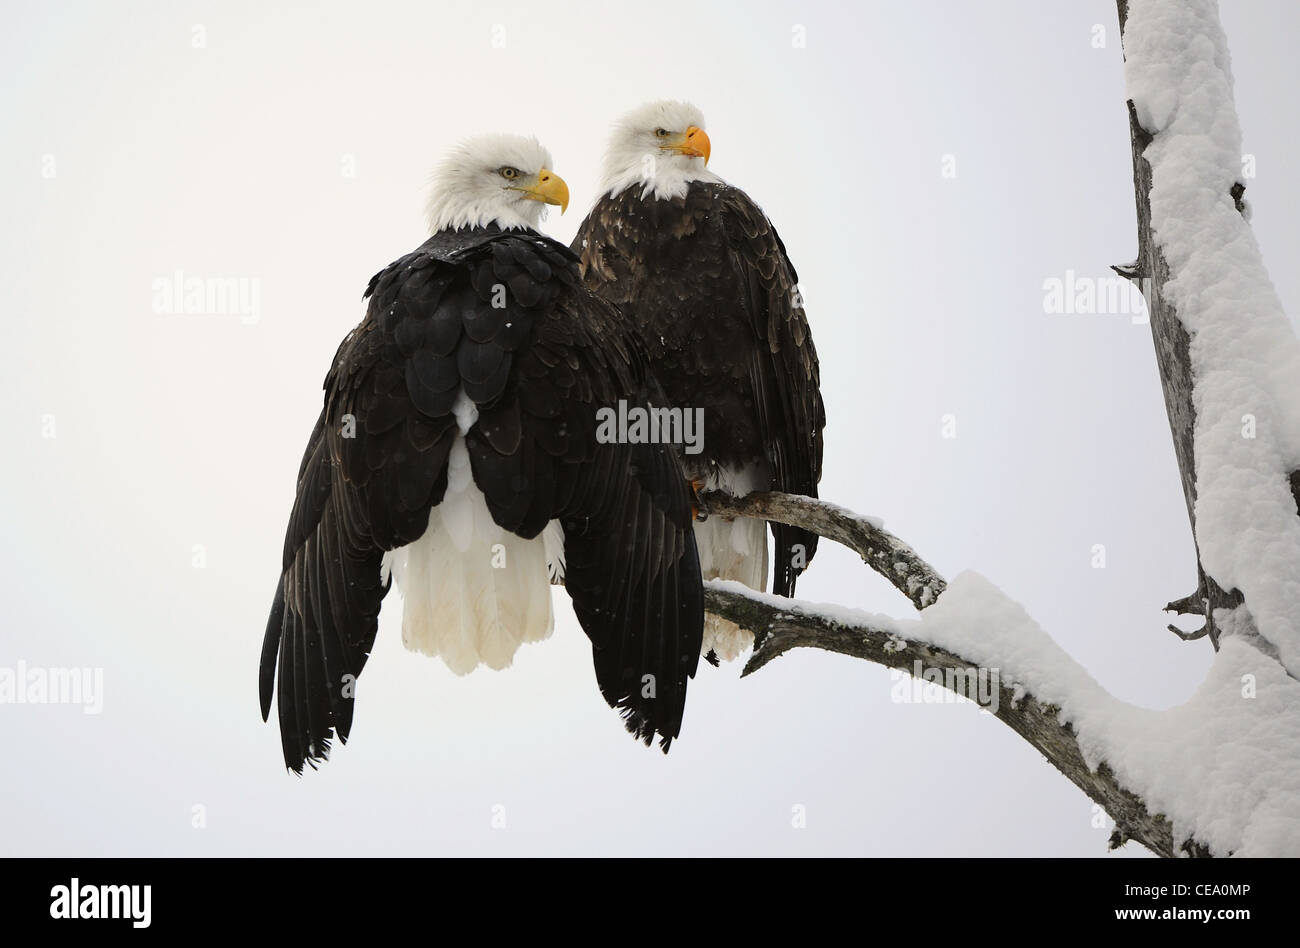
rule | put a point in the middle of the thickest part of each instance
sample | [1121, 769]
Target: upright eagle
[457, 452]
[700, 271]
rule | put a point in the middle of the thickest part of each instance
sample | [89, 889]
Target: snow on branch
[1228, 357]
[881, 550]
[782, 624]
[1220, 774]
[1217, 775]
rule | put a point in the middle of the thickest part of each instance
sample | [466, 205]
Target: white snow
[1224, 767]
[1244, 352]
[870, 520]
[832, 612]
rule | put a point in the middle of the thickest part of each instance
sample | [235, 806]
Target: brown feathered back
[707, 283]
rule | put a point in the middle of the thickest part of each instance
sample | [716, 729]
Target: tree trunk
[1151, 273]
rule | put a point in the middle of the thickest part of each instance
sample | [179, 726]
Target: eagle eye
[661, 132]
[508, 172]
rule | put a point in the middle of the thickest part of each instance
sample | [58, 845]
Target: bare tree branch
[1190, 605]
[1190, 636]
[881, 550]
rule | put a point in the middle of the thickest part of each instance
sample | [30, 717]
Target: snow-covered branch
[1228, 357]
[881, 550]
[1219, 774]
[780, 625]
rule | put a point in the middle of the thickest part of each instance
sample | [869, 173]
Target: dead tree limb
[881, 550]
[780, 628]
[780, 625]
[1174, 363]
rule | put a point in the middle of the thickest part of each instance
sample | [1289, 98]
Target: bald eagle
[457, 453]
[700, 271]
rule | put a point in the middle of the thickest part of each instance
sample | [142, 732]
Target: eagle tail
[472, 592]
[737, 550]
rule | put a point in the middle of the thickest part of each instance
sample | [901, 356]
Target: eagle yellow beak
[694, 144]
[550, 188]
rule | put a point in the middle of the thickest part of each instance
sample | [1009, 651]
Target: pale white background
[925, 295]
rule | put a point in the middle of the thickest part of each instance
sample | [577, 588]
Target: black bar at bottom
[331, 895]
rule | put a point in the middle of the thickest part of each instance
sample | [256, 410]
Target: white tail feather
[472, 592]
[731, 549]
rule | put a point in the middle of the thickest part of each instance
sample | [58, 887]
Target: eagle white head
[494, 179]
[661, 146]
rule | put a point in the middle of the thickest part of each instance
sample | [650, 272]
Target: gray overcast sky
[132, 152]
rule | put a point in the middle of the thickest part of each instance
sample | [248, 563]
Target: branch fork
[780, 625]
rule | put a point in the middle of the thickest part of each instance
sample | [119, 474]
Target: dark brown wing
[375, 464]
[708, 284]
[631, 566]
[783, 370]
